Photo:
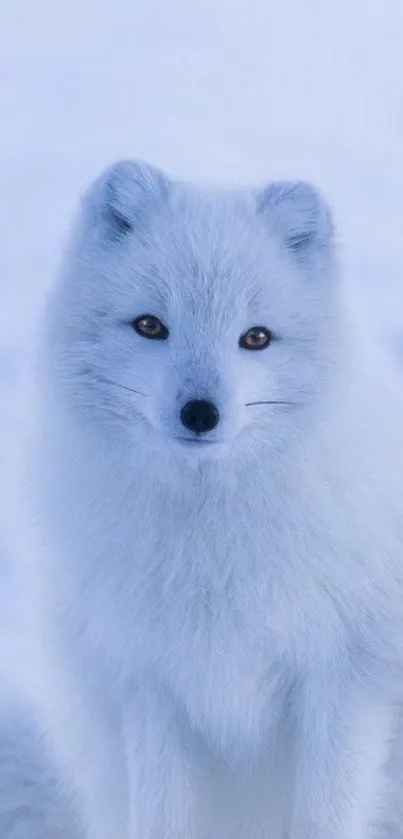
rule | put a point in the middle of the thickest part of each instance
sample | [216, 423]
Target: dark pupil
[257, 337]
[151, 326]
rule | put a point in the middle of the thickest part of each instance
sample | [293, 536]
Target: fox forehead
[209, 268]
[199, 252]
[223, 255]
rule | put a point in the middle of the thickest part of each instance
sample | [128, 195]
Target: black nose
[199, 416]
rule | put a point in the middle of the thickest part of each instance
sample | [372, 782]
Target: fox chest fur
[226, 600]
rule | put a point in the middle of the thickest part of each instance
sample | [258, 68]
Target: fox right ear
[125, 193]
[299, 214]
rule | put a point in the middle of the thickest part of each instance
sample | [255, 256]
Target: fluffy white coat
[217, 629]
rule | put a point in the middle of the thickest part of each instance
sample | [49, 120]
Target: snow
[224, 90]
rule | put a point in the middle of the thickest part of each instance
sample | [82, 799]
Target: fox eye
[256, 338]
[150, 327]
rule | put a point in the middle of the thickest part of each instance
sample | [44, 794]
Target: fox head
[193, 321]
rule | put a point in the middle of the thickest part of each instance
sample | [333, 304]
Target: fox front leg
[342, 737]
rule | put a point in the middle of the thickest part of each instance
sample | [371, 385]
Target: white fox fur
[217, 629]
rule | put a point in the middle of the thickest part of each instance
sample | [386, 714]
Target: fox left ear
[298, 214]
[126, 194]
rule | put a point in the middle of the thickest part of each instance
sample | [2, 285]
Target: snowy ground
[220, 89]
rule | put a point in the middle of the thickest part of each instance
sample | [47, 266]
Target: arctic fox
[216, 564]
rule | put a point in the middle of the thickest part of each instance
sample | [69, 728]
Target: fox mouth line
[198, 441]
